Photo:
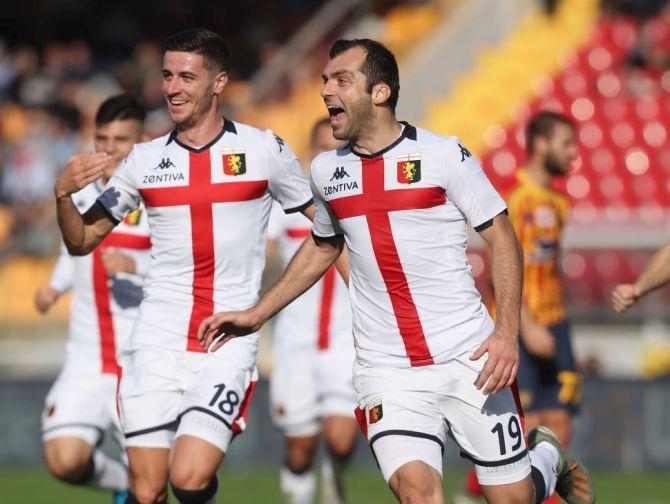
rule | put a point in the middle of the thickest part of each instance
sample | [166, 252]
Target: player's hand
[221, 327]
[538, 340]
[502, 364]
[45, 297]
[624, 296]
[116, 262]
[80, 171]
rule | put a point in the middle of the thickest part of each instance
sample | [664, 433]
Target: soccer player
[401, 202]
[549, 384]
[106, 291]
[655, 275]
[208, 188]
[312, 383]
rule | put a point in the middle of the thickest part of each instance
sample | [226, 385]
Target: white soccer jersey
[321, 316]
[103, 308]
[403, 213]
[208, 211]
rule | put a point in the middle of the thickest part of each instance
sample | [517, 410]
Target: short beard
[361, 118]
[553, 167]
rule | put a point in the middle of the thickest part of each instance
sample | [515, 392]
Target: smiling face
[344, 92]
[190, 87]
[117, 138]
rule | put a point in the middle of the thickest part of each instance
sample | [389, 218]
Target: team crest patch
[375, 411]
[234, 162]
[50, 410]
[409, 168]
[133, 218]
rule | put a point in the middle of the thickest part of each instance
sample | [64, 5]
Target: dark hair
[324, 121]
[542, 124]
[379, 65]
[119, 107]
[204, 42]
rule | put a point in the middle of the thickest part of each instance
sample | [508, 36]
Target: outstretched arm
[654, 276]
[309, 263]
[502, 346]
[81, 233]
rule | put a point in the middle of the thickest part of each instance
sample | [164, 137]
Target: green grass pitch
[365, 486]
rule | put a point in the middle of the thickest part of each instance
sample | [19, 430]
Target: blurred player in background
[106, 292]
[312, 387]
[655, 275]
[401, 196]
[549, 384]
[208, 188]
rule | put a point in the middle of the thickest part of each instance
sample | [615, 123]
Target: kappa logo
[165, 164]
[465, 153]
[280, 142]
[339, 173]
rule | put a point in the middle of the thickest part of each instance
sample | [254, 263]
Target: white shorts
[407, 414]
[308, 385]
[165, 394]
[82, 406]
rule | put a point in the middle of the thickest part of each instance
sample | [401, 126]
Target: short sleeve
[468, 187]
[276, 223]
[325, 224]
[121, 195]
[287, 184]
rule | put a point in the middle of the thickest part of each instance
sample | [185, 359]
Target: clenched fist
[80, 171]
[624, 296]
[45, 297]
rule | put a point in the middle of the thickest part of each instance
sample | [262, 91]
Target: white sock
[544, 458]
[297, 488]
[108, 474]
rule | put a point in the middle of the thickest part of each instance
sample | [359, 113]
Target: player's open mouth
[336, 114]
[176, 103]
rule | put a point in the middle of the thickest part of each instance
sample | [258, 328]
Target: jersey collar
[228, 126]
[408, 132]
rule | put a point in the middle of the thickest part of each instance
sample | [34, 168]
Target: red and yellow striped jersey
[538, 215]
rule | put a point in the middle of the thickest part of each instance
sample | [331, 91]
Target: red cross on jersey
[103, 309]
[403, 213]
[208, 211]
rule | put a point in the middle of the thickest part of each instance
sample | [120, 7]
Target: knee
[189, 478]
[145, 494]
[69, 466]
[340, 448]
[419, 489]
[299, 455]
[198, 495]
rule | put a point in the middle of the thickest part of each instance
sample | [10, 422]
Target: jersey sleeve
[468, 187]
[325, 223]
[62, 277]
[121, 195]
[287, 184]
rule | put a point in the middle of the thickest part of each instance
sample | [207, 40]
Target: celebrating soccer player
[429, 359]
[208, 188]
[106, 291]
[312, 384]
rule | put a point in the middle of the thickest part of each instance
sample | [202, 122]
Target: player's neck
[203, 131]
[378, 135]
[537, 173]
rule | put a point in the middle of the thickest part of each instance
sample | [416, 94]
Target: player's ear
[381, 92]
[220, 82]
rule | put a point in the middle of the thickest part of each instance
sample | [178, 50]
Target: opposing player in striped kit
[401, 200]
[312, 388]
[106, 288]
[208, 188]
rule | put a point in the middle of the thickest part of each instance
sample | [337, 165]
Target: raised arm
[81, 233]
[655, 275]
[309, 263]
[502, 345]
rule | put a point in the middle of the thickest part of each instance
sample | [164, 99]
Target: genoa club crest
[133, 218]
[234, 162]
[409, 168]
[375, 412]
